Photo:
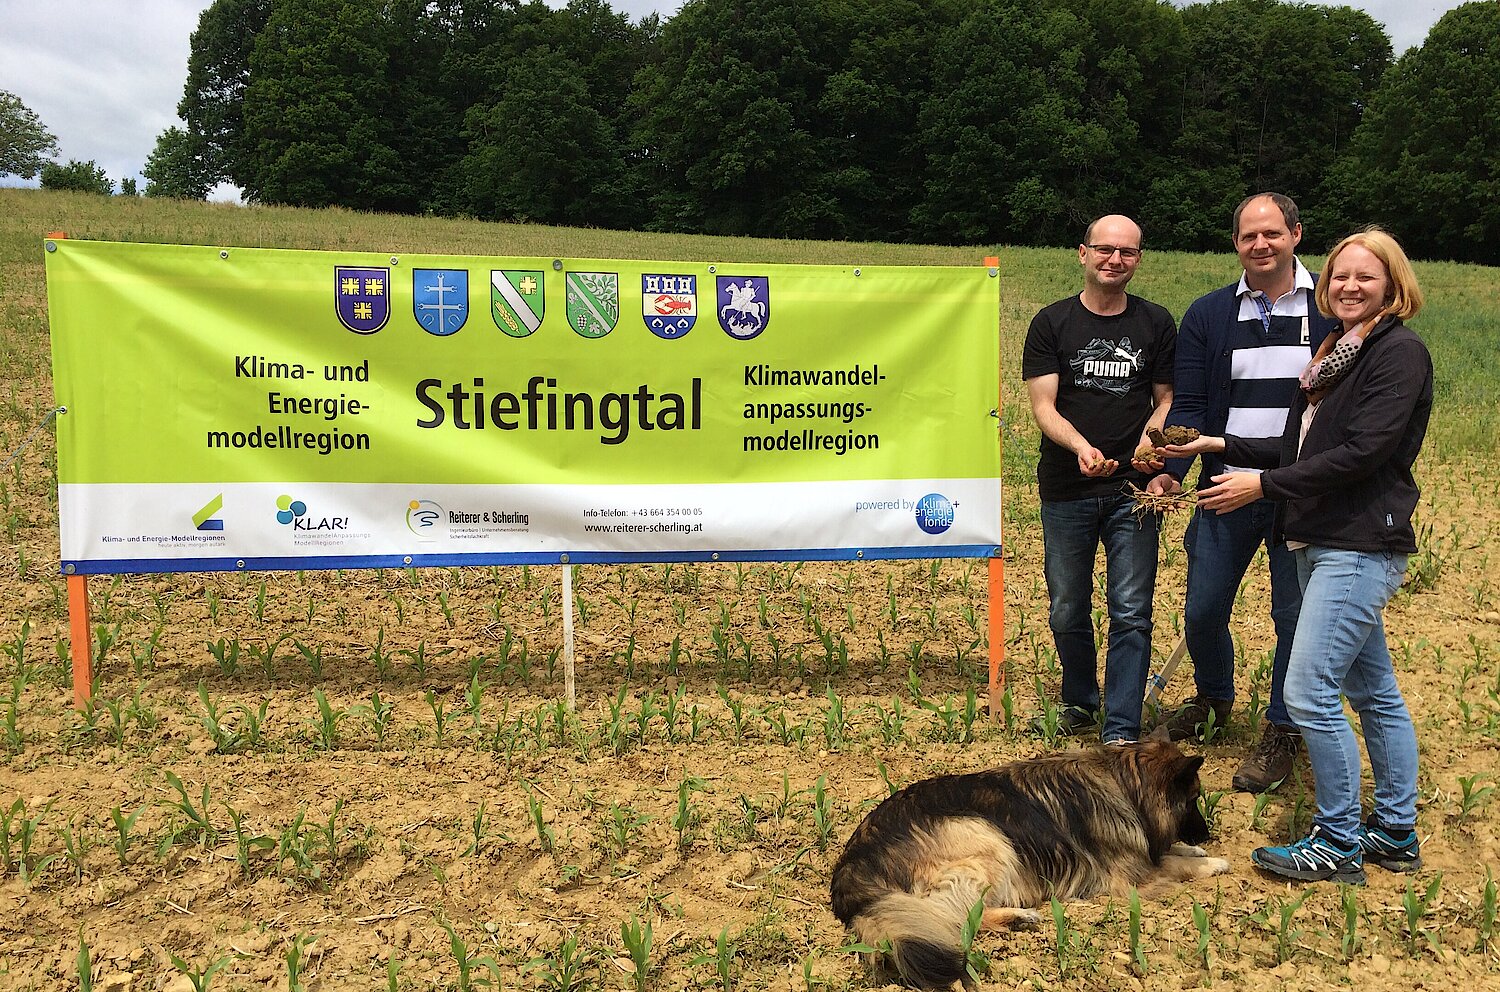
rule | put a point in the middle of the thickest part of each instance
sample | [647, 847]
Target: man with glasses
[1098, 371]
[1240, 352]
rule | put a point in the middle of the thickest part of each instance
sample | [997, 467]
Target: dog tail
[925, 937]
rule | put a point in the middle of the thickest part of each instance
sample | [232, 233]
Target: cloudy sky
[105, 76]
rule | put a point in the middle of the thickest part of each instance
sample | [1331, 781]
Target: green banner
[240, 367]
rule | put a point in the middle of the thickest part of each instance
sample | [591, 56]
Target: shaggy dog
[1069, 826]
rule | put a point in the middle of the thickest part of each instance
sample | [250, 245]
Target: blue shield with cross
[440, 299]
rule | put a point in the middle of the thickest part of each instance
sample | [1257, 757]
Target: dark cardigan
[1201, 387]
[1351, 487]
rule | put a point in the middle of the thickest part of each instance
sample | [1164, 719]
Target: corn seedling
[645, 715]
[892, 722]
[822, 812]
[200, 978]
[1200, 923]
[266, 656]
[976, 964]
[891, 788]
[722, 959]
[142, 713]
[544, 834]
[312, 655]
[327, 725]
[198, 824]
[687, 816]
[1050, 721]
[393, 966]
[637, 937]
[474, 700]
[245, 842]
[26, 868]
[15, 737]
[566, 971]
[670, 713]
[225, 655]
[124, 825]
[1258, 811]
[1277, 915]
[85, 965]
[117, 719]
[1208, 805]
[1472, 795]
[440, 717]
[946, 728]
[736, 713]
[1211, 727]
[1487, 907]
[225, 740]
[835, 722]
[1416, 908]
[296, 961]
[785, 732]
[1349, 939]
[380, 657]
[105, 637]
[1063, 927]
[143, 658]
[476, 832]
[376, 715]
[623, 823]
[76, 847]
[1137, 948]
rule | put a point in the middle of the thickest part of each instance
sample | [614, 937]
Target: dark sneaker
[1071, 721]
[1188, 722]
[1271, 761]
[1315, 858]
[1389, 849]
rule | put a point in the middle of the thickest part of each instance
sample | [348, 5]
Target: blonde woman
[1342, 476]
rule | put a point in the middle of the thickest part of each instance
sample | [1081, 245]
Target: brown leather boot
[1271, 761]
[1192, 717]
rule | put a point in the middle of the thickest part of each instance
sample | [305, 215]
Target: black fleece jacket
[1351, 486]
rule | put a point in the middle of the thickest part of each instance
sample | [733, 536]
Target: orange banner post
[79, 634]
[82, 639]
[997, 568]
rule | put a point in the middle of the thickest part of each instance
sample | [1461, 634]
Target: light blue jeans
[1340, 650]
[1072, 531]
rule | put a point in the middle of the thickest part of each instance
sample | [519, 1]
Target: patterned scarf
[1334, 360]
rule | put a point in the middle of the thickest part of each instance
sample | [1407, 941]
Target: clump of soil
[1174, 434]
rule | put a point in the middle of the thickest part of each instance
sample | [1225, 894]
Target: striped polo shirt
[1270, 349]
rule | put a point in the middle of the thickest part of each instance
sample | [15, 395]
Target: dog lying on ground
[1071, 826]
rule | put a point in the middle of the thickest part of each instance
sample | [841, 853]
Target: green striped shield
[516, 300]
[593, 302]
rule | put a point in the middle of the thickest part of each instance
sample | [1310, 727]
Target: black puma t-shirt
[1105, 367]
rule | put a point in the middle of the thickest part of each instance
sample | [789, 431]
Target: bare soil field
[368, 780]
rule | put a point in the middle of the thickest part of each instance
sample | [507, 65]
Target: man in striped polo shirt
[1239, 352]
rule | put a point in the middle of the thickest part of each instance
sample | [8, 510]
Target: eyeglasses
[1105, 251]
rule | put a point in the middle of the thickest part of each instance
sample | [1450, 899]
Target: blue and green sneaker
[1390, 849]
[1315, 858]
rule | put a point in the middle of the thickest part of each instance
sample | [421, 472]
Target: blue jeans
[1219, 548]
[1071, 533]
[1340, 648]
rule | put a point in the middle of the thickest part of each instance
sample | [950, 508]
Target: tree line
[941, 121]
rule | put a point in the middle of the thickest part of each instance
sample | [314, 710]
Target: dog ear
[1162, 733]
[1187, 770]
